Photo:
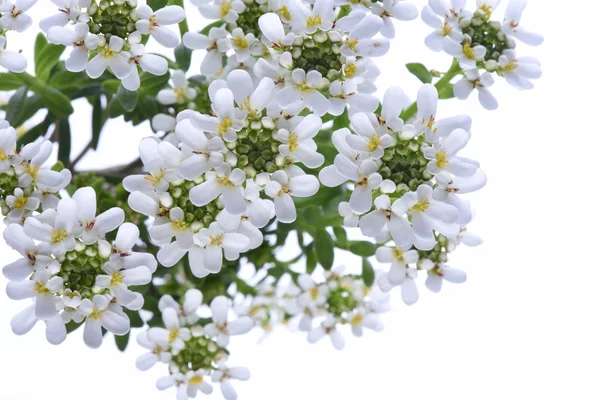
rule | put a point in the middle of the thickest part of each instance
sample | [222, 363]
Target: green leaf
[16, 106]
[341, 121]
[313, 215]
[127, 98]
[183, 56]
[115, 109]
[156, 4]
[151, 84]
[111, 86]
[98, 120]
[134, 318]
[447, 92]
[57, 103]
[9, 81]
[311, 259]
[368, 273]
[122, 341]
[40, 44]
[207, 28]
[362, 248]
[64, 140]
[420, 71]
[196, 80]
[324, 248]
[244, 288]
[58, 166]
[46, 60]
[340, 234]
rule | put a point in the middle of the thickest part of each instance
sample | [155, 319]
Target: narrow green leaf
[183, 56]
[324, 248]
[111, 86]
[341, 121]
[368, 273]
[207, 28]
[63, 129]
[40, 44]
[134, 318]
[97, 121]
[447, 92]
[196, 80]
[362, 248]
[127, 98]
[420, 71]
[58, 166]
[311, 259]
[313, 216]
[16, 106]
[122, 341]
[157, 4]
[57, 103]
[8, 81]
[340, 234]
[115, 109]
[47, 59]
[151, 84]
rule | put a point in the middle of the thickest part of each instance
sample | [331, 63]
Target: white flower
[223, 180]
[24, 321]
[299, 143]
[426, 121]
[13, 15]
[364, 318]
[369, 139]
[485, 8]
[473, 80]
[511, 25]
[158, 176]
[180, 92]
[59, 234]
[224, 375]
[446, 27]
[46, 194]
[467, 56]
[221, 327]
[80, 39]
[360, 40]
[283, 186]
[250, 98]
[400, 273]
[122, 249]
[92, 228]
[274, 34]
[153, 23]
[8, 140]
[327, 327]
[217, 43]
[110, 55]
[398, 9]
[203, 153]
[242, 44]
[427, 214]
[217, 242]
[34, 257]
[156, 353]
[438, 273]
[156, 65]
[226, 10]
[21, 205]
[366, 179]
[313, 295]
[176, 226]
[173, 334]
[347, 92]
[196, 382]
[101, 313]
[30, 160]
[69, 11]
[350, 217]
[117, 281]
[450, 187]
[519, 70]
[304, 88]
[371, 224]
[307, 20]
[394, 101]
[43, 288]
[443, 155]
[228, 120]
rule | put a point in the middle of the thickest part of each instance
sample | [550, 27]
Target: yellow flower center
[180, 94]
[357, 320]
[179, 225]
[196, 380]
[40, 288]
[293, 142]
[374, 142]
[314, 293]
[511, 66]
[20, 202]
[3, 156]
[446, 29]
[216, 240]
[487, 9]
[440, 159]
[116, 278]
[398, 254]
[107, 52]
[303, 87]
[351, 43]
[225, 181]
[58, 236]
[240, 42]
[285, 12]
[173, 334]
[225, 8]
[224, 125]
[468, 51]
[421, 206]
[155, 178]
[32, 171]
[96, 314]
[350, 70]
[313, 21]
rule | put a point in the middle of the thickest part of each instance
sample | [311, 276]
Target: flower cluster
[68, 269]
[480, 43]
[193, 352]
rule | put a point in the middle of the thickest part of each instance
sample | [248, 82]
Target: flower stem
[183, 25]
[444, 81]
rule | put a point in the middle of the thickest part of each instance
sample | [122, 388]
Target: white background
[524, 325]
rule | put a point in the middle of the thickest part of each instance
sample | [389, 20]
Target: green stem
[183, 25]
[444, 81]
